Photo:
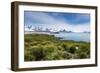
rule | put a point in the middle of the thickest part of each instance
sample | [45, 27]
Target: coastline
[54, 34]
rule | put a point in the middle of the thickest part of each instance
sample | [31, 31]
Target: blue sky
[77, 22]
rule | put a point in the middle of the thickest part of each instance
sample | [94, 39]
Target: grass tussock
[41, 47]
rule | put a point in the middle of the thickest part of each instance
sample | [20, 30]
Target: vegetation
[40, 47]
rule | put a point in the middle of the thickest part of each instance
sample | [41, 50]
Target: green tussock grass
[41, 47]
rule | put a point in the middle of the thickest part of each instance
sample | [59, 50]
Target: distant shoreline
[52, 34]
[45, 32]
[31, 32]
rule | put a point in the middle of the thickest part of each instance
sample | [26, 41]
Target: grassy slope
[40, 47]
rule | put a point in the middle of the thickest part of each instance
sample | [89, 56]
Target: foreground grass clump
[40, 47]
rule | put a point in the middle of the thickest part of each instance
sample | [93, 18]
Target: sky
[76, 22]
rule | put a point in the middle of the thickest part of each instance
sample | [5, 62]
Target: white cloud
[53, 23]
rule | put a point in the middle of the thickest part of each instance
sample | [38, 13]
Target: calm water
[74, 36]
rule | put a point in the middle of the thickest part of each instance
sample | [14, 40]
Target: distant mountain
[86, 32]
[28, 28]
[40, 29]
[66, 31]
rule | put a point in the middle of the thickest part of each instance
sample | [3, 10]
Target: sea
[74, 36]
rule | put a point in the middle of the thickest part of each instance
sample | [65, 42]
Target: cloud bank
[58, 21]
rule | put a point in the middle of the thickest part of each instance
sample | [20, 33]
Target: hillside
[41, 47]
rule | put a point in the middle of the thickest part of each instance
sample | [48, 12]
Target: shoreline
[60, 38]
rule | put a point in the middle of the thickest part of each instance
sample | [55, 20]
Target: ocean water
[74, 36]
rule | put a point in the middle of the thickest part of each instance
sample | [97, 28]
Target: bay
[74, 36]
